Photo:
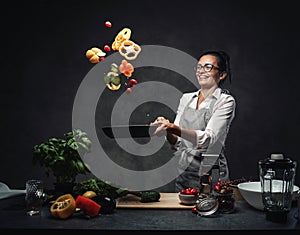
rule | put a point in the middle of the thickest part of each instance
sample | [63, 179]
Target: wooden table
[128, 220]
[166, 201]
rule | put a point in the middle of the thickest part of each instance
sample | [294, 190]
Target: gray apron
[191, 159]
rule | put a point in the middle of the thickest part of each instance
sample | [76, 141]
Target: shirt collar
[216, 93]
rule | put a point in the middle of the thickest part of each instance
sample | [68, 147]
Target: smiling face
[208, 79]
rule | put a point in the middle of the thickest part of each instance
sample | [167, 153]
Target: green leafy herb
[62, 156]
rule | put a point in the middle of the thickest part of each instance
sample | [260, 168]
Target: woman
[203, 118]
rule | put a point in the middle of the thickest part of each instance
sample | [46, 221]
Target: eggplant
[108, 203]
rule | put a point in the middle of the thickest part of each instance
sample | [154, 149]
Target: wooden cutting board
[166, 201]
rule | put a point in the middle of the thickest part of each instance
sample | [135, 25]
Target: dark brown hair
[223, 61]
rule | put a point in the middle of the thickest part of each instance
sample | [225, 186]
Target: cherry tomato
[183, 191]
[194, 191]
[132, 82]
[108, 24]
[222, 187]
[217, 188]
[106, 48]
[194, 210]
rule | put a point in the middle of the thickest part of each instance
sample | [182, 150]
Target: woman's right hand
[162, 124]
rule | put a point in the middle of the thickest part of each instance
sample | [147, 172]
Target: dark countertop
[245, 218]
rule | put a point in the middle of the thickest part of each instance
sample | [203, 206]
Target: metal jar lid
[207, 206]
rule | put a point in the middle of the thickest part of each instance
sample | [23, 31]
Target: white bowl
[187, 199]
[251, 192]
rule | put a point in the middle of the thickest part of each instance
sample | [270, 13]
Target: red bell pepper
[90, 207]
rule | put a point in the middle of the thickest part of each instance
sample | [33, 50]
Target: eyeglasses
[206, 67]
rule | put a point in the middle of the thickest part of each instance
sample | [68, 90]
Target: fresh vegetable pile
[94, 197]
[65, 205]
[227, 186]
[101, 187]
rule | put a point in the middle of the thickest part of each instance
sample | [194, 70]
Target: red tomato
[183, 191]
[128, 90]
[194, 210]
[132, 82]
[217, 188]
[189, 192]
[106, 48]
[194, 191]
[108, 24]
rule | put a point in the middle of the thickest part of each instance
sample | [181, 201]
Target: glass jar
[226, 202]
[207, 206]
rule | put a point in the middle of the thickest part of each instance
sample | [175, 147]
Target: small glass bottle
[214, 176]
[205, 184]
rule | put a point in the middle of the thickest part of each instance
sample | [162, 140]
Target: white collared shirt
[223, 113]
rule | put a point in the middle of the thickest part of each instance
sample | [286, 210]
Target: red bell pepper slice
[90, 207]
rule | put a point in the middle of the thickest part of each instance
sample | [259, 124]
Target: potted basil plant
[61, 157]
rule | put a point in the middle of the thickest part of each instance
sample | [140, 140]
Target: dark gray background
[43, 63]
